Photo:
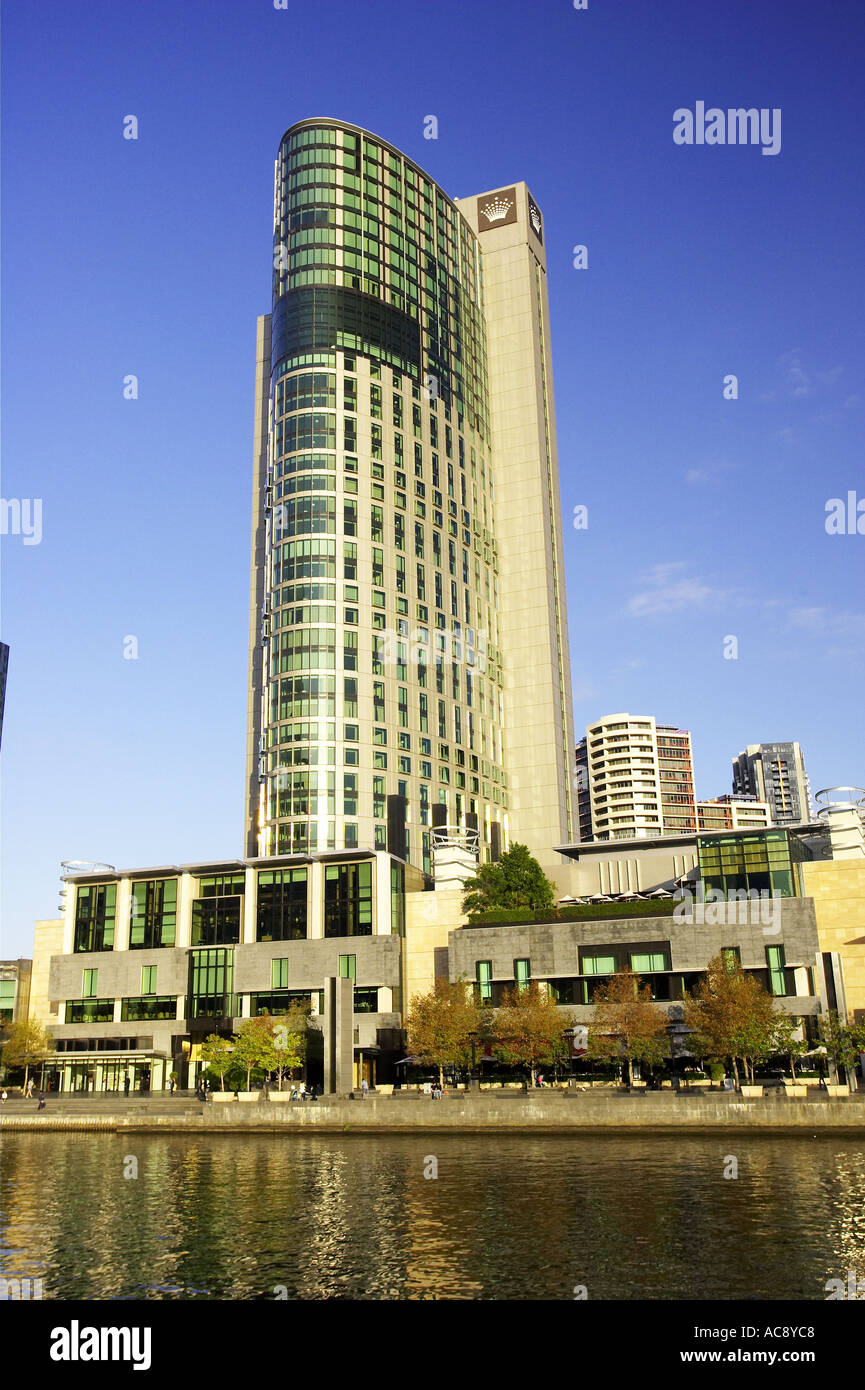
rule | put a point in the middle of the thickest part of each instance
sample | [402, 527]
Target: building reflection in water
[231, 1216]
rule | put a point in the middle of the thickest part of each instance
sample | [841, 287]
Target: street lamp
[473, 1078]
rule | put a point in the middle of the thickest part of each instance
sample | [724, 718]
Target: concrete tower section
[538, 732]
[408, 638]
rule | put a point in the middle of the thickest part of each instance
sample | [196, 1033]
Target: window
[777, 974]
[211, 976]
[153, 914]
[88, 988]
[348, 899]
[348, 967]
[279, 973]
[94, 917]
[599, 965]
[148, 979]
[281, 905]
[644, 964]
[142, 1010]
[484, 973]
[522, 974]
[216, 913]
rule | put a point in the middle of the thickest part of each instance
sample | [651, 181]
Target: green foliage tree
[440, 1025]
[786, 1040]
[528, 1029]
[27, 1043]
[517, 880]
[626, 1025]
[840, 1039]
[217, 1052]
[290, 1041]
[730, 1015]
[253, 1045]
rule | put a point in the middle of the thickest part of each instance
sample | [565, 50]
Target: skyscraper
[635, 779]
[409, 657]
[775, 772]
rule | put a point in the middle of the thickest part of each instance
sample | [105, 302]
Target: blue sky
[152, 257]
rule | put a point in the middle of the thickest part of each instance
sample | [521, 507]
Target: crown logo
[497, 209]
[536, 218]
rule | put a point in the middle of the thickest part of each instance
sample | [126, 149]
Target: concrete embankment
[560, 1114]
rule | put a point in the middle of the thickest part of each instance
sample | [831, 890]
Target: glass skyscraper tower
[408, 636]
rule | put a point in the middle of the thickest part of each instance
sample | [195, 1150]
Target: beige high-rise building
[635, 779]
[409, 660]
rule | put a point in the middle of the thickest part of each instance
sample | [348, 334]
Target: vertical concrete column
[315, 901]
[250, 906]
[122, 914]
[185, 893]
[338, 1036]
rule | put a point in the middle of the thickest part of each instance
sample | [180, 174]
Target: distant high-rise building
[635, 778]
[733, 813]
[4, 667]
[409, 657]
[775, 772]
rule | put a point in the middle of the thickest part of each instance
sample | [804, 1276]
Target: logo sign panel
[535, 220]
[497, 209]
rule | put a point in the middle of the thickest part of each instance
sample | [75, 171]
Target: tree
[440, 1024]
[253, 1045]
[786, 1040]
[730, 1014]
[840, 1040]
[626, 1024]
[27, 1043]
[529, 1028]
[218, 1052]
[290, 1032]
[517, 880]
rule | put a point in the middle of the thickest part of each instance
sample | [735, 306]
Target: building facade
[155, 960]
[775, 773]
[635, 779]
[406, 542]
[733, 813]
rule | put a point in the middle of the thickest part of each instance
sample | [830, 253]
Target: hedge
[592, 912]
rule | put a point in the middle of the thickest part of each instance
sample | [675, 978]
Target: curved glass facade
[380, 670]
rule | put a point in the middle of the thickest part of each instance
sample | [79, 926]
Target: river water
[98, 1216]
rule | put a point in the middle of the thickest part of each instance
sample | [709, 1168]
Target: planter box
[220, 1096]
[752, 1091]
[837, 1090]
[280, 1095]
[794, 1090]
[386, 1090]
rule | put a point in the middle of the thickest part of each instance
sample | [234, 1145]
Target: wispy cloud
[708, 471]
[799, 379]
[670, 589]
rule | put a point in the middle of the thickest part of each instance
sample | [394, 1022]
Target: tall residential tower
[409, 661]
[775, 772]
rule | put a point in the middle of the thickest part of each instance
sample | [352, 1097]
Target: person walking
[28, 1089]
[126, 1084]
[3, 1095]
[364, 1089]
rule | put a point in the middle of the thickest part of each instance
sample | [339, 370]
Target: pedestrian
[41, 1105]
[126, 1084]
[3, 1096]
[364, 1089]
[28, 1090]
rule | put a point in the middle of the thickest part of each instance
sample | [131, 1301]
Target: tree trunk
[630, 1071]
[222, 1081]
[735, 1073]
[441, 1076]
[792, 1066]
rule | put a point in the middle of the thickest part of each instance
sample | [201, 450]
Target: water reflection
[508, 1217]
